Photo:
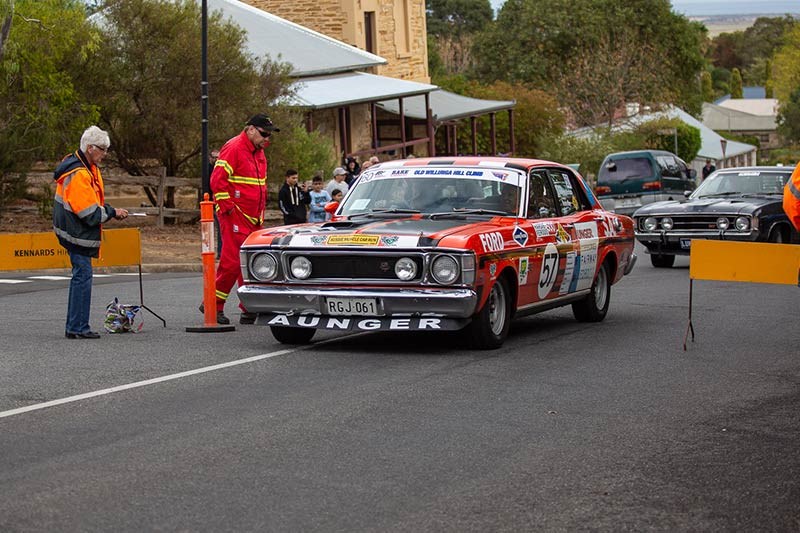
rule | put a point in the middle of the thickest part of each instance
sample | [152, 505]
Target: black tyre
[662, 260]
[489, 328]
[778, 235]
[292, 335]
[594, 307]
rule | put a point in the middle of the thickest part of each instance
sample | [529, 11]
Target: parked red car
[441, 244]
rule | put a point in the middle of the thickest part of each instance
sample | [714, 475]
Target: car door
[541, 262]
[578, 233]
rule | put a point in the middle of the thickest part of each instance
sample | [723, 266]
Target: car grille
[693, 223]
[355, 267]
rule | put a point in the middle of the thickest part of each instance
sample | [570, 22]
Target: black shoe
[221, 318]
[85, 335]
[247, 318]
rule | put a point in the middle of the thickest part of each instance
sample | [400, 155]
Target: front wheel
[594, 307]
[662, 260]
[489, 328]
[778, 235]
[289, 335]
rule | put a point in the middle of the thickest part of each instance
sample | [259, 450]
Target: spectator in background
[318, 198]
[292, 199]
[337, 195]
[708, 168]
[79, 210]
[374, 160]
[338, 181]
[353, 170]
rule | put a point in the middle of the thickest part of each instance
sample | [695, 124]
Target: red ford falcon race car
[441, 244]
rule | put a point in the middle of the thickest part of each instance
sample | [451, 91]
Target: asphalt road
[608, 426]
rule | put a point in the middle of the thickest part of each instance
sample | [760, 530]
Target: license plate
[628, 202]
[352, 306]
[686, 244]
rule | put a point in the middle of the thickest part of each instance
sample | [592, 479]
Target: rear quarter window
[623, 169]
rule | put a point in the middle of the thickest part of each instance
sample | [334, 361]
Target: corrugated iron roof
[446, 106]
[351, 88]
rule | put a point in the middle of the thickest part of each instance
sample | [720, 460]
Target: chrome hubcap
[601, 289]
[497, 309]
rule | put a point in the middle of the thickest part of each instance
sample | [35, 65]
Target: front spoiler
[360, 323]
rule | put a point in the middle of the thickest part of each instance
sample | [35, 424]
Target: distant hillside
[717, 24]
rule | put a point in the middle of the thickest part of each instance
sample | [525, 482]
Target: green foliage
[44, 200]
[788, 156]
[294, 147]
[536, 116]
[786, 66]
[707, 87]
[588, 153]
[648, 53]
[721, 79]
[452, 25]
[41, 112]
[736, 84]
[146, 78]
[789, 118]
[652, 135]
[725, 50]
[457, 17]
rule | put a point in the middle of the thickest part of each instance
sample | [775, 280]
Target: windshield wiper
[730, 193]
[461, 211]
[384, 211]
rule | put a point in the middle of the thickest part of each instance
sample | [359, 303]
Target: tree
[736, 84]
[707, 86]
[452, 24]
[786, 66]
[41, 112]
[146, 79]
[726, 50]
[550, 38]
[789, 118]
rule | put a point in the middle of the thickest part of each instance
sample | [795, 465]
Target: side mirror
[687, 193]
[331, 207]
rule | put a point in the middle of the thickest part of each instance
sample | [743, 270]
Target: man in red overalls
[239, 185]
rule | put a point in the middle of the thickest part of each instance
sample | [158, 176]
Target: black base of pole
[210, 329]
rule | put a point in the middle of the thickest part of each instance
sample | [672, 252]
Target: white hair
[94, 136]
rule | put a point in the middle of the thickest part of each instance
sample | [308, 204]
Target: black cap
[262, 122]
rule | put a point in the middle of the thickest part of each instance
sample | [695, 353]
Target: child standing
[319, 197]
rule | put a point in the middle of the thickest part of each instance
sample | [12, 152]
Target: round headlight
[666, 223]
[444, 269]
[742, 223]
[264, 267]
[723, 223]
[405, 269]
[650, 223]
[301, 267]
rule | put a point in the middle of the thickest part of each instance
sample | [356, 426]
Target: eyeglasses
[264, 134]
[104, 150]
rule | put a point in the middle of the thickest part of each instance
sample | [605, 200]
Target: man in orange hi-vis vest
[791, 198]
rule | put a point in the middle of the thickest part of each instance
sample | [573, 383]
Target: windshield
[439, 190]
[723, 183]
[621, 170]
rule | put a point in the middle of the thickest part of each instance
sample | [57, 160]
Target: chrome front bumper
[455, 303]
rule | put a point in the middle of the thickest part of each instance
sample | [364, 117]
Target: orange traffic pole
[208, 252]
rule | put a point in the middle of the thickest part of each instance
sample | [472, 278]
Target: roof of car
[757, 168]
[508, 162]
[639, 152]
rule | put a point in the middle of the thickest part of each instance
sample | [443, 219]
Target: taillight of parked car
[602, 189]
[651, 185]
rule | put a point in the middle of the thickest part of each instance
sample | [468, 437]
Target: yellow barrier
[36, 251]
[752, 262]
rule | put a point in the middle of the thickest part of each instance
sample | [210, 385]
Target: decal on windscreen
[306, 240]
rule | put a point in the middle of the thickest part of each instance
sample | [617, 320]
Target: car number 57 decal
[547, 275]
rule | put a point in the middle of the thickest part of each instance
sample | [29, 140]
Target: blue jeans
[80, 294]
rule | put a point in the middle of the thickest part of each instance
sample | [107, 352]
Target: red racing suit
[239, 185]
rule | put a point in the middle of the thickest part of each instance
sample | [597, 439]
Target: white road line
[170, 377]
[13, 281]
[50, 278]
[137, 384]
